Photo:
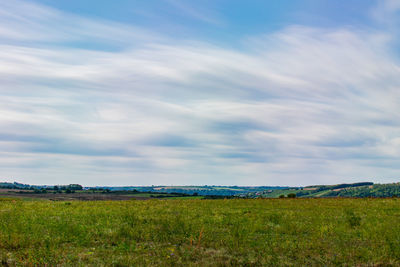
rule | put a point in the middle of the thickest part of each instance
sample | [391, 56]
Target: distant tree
[282, 196]
[291, 195]
[68, 191]
[75, 187]
[195, 194]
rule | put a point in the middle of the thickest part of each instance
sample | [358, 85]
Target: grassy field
[237, 232]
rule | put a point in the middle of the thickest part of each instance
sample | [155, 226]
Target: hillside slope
[365, 189]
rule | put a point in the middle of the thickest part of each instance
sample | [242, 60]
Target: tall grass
[260, 232]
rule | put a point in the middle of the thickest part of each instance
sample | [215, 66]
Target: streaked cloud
[386, 11]
[196, 11]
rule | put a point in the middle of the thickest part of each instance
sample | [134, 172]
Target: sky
[221, 92]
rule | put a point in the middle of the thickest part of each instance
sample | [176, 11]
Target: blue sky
[218, 92]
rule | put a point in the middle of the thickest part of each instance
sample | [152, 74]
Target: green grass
[169, 196]
[237, 232]
[188, 197]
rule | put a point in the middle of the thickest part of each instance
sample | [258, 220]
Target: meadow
[193, 232]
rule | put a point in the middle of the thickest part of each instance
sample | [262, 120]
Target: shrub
[291, 195]
[352, 219]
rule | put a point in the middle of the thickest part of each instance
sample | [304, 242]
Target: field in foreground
[237, 232]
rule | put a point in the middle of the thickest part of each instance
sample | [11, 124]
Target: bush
[282, 196]
[291, 195]
[352, 219]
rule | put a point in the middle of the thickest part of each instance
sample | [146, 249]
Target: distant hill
[199, 190]
[364, 189]
[190, 190]
[15, 185]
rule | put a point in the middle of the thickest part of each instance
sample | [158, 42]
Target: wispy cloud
[299, 106]
[196, 11]
[386, 12]
[27, 22]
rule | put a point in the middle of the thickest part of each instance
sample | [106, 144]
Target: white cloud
[27, 22]
[194, 11]
[386, 12]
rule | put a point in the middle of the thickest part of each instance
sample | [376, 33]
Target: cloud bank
[98, 102]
